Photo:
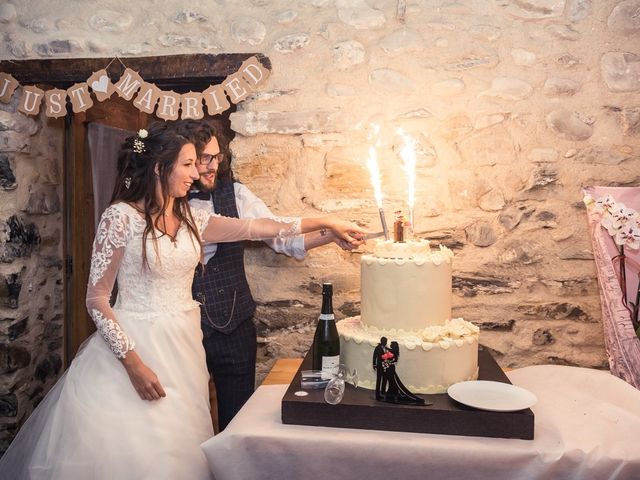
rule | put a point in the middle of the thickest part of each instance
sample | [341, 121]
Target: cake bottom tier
[423, 367]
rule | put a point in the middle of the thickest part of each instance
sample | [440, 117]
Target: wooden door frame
[181, 73]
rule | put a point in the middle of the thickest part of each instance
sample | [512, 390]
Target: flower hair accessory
[138, 143]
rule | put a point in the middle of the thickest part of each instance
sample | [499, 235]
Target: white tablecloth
[587, 426]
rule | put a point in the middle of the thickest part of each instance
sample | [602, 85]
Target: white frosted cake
[406, 297]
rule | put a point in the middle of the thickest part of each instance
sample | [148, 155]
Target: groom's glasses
[207, 158]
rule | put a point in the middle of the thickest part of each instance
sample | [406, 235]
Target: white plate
[493, 396]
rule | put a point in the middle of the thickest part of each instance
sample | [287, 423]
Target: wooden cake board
[359, 409]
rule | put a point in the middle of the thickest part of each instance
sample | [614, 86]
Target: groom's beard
[204, 184]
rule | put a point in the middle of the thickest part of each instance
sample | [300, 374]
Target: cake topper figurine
[389, 387]
[378, 352]
[398, 227]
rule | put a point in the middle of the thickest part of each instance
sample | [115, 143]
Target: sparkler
[408, 155]
[374, 172]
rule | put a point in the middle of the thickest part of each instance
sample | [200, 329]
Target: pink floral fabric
[621, 342]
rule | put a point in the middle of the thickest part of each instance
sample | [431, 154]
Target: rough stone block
[17, 239]
[8, 405]
[248, 30]
[471, 285]
[291, 43]
[568, 125]
[13, 357]
[481, 234]
[43, 200]
[111, 21]
[621, 71]
[7, 177]
[10, 286]
[534, 9]
[14, 142]
[48, 367]
[358, 14]
[303, 121]
[556, 311]
[521, 252]
[17, 329]
[624, 18]
[18, 123]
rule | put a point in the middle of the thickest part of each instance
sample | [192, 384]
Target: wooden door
[80, 224]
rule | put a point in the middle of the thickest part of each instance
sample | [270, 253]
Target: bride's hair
[139, 155]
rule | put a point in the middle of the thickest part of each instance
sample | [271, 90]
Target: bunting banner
[145, 96]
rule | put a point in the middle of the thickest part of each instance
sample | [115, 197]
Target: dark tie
[199, 195]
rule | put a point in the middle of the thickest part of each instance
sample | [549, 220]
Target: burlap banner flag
[80, 97]
[146, 97]
[253, 73]
[8, 85]
[101, 85]
[168, 106]
[129, 83]
[192, 106]
[215, 99]
[56, 103]
[31, 99]
[236, 87]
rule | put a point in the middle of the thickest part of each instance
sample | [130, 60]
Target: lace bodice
[165, 284]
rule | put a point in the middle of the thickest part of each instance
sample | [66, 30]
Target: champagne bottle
[326, 343]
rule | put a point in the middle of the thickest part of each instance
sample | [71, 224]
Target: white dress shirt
[250, 206]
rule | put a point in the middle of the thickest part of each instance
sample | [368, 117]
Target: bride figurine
[134, 404]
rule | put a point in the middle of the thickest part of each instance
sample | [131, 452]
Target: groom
[221, 287]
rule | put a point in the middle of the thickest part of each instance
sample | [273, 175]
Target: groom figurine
[227, 306]
[381, 379]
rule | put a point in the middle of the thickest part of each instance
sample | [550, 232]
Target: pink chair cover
[621, 342]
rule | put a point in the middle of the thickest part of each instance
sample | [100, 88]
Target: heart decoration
[101, 84]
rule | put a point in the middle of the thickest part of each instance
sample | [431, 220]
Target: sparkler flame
[408, 155]
[372, 164]
[374, 173]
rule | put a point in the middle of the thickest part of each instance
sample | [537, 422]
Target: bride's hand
[144, 380]
[349, 235]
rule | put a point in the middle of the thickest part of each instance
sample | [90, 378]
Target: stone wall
[515, 105]
[31, 277]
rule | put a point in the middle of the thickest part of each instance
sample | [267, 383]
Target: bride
[134, 404]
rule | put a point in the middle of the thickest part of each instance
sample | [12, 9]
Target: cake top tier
[419, 250]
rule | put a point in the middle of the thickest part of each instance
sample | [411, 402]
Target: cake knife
[369, 236]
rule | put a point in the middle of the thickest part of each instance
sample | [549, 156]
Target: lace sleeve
[225, 229]
[201, 218]
[114, 231]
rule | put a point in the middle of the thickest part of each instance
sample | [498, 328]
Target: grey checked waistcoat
[221, 286]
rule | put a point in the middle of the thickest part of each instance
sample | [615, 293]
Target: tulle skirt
[93, 424]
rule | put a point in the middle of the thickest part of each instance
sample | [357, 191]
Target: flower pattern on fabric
[201, 218]
[118, 342]
[294, 229]
[113, 232]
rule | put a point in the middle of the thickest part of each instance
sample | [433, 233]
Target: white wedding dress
[93, 424]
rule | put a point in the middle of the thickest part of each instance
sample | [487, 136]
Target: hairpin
[138, 144]
[127, 182]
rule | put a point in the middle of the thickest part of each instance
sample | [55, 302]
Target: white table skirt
[587, 426]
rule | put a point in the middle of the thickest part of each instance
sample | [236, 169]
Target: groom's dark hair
[200, 132]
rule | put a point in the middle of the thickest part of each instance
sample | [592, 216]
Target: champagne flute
[334, 391]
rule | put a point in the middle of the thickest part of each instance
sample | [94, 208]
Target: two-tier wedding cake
[406, 297]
